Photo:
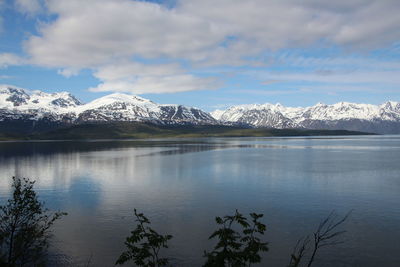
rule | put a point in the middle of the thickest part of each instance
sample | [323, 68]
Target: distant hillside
[135, 130]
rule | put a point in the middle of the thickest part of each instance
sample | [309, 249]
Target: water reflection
[181, 186]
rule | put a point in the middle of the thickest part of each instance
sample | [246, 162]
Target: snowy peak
[118, 101]
[124, 107]
[264, 115]
[119, 107]
[119, 97]
[320, 111]
[217, 114]
[345, 110]
[185, 114]
[21, 99]
[391, 105]
[384, 118]
[13, 97]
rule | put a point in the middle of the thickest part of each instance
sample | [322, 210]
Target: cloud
[351, 73]
[30, 7]
[126, 69]
[7, 59]
[377, 18]
[334, 89]
[157, 84]
[139, 78]
[2, 4]
[269, 82]
[336, 62]
[389, 78]
[268, 92]
[92, 32]
[275, 24]
[109, 36]
[68, 72]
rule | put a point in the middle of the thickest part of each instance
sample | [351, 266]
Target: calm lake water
[181, 185]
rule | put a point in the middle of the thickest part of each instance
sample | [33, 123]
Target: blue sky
[203, 53]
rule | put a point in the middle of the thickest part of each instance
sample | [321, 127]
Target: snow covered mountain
[28, 111]
[383, 118]
[123, 107]
[21, 104]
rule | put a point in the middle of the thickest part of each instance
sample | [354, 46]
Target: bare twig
[89, 260]
[326, 235]
[299, 251]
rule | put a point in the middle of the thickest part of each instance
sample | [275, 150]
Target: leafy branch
[24, 225]
[236, 248]
[144, 244]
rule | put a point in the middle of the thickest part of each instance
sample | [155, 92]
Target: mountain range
[39, 111]
[34, 111]
[383, 119]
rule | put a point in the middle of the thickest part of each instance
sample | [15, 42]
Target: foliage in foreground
[25, 226]
[144, 244]
[237, 247]
[25, 229]
[238, 244]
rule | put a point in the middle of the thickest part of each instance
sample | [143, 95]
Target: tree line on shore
[26, 231]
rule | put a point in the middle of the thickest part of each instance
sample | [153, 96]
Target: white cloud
[337, 63]
[275, 24]
[334, 89]
[30, 7]
[7, 59]
[107, 35]
[122, 70]
[373, 24]
[93, 32]
[157, 84]
[142, 78]
[267, 92]
[68, 72]
[356, 77]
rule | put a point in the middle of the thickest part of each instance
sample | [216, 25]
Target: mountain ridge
[21, 104]
[34, 110]
[384, 118]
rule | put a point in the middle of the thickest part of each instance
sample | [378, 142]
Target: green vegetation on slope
[136, 130]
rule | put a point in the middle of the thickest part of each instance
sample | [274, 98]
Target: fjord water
[181, 185]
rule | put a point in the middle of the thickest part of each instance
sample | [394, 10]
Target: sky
[210, 54]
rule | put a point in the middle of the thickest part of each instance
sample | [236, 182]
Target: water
[181, 185]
